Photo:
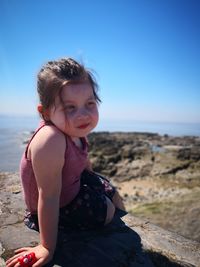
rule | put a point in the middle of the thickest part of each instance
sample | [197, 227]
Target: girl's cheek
[96, 116]
[97, 113]
[70, 116]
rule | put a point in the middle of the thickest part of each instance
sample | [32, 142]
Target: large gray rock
[165, 248]
[115, 245]
[130, 243]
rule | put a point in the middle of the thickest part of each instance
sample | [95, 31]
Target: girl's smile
[83, 126]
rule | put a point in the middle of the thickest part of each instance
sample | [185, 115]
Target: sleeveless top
[75, 163]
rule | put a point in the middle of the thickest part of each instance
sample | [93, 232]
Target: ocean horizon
[14, 130]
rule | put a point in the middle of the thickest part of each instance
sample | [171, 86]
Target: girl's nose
[82, 113]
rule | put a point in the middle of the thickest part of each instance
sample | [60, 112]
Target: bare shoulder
[48, 140]
[50, 132]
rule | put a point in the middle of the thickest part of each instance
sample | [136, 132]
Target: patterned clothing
[88, 210]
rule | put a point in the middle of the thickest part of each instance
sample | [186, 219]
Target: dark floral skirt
[89, 208]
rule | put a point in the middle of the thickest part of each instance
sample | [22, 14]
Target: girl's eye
[91, 104]
[70, 108]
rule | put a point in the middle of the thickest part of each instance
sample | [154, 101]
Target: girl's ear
[40, 109]
[44, 113]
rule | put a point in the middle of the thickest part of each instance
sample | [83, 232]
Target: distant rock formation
[124, 156]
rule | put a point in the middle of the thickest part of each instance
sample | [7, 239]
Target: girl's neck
[77, 141]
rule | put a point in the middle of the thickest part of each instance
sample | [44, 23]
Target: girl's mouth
[83, 126]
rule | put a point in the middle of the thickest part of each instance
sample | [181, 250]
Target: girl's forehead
[74, 92]
[73, 89]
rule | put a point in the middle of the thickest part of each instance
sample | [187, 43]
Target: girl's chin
[79, 131]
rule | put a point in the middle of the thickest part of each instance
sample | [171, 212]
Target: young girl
[60, 189]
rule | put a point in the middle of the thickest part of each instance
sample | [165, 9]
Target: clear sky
[146, 54]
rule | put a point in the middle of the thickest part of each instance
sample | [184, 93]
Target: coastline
[13, 141]
[14, 130]
[174, 129]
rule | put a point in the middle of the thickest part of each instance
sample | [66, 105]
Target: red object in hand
[27, 260]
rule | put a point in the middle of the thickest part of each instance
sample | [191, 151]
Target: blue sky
[146, 54]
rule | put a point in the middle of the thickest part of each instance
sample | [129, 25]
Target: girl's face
[77, 114]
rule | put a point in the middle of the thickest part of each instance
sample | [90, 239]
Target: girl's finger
[13, 262]
[22, 249]
[17, 264]
[11, 259]
[38, 263]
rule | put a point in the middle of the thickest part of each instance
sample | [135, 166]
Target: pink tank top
[75, 163]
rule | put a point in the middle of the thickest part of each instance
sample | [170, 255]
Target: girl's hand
[42, 254]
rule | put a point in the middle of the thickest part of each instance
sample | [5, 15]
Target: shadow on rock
[115, 245]
[160, 260]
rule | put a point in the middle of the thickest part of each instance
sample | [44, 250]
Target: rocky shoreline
[157, 176]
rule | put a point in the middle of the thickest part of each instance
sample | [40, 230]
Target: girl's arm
[47, 154]
[48, 160]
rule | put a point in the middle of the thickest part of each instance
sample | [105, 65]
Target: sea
[15, 131]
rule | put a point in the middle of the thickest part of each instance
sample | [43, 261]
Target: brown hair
[55, 74]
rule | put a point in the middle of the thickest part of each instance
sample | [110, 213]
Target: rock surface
[136, 245]
[165, 248]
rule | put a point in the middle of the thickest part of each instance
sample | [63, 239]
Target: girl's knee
[110, 211]
[118, 202]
